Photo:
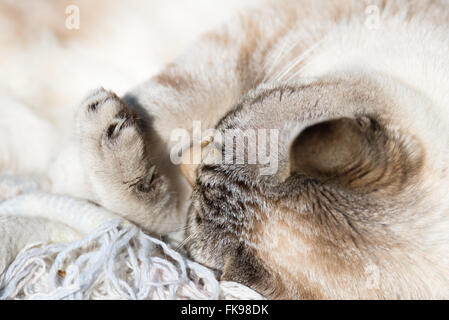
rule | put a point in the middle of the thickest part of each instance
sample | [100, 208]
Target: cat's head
[345, 213]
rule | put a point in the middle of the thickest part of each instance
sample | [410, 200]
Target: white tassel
[113, 262]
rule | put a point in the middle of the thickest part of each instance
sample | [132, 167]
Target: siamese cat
[352, 99]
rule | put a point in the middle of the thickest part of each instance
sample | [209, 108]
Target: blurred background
[53, 51]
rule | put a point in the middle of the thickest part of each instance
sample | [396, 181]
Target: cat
[357, 94]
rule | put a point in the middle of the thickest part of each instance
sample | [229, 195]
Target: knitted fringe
[115, 261]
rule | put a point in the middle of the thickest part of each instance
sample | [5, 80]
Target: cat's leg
[118, 153]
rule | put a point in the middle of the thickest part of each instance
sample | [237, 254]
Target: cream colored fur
[405, 56]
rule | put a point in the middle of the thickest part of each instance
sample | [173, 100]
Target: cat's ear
[344, 150]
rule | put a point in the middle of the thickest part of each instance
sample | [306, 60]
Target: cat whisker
[297, 61]
[282, 53]
[186, 240]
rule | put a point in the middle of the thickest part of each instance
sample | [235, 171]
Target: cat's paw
[104, 116]
[125, 170]
[112, 133]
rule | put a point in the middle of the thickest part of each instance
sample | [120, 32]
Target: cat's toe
[100, 104]
[124, 119]
[103, 114]
[96, 98]
[123, 139]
